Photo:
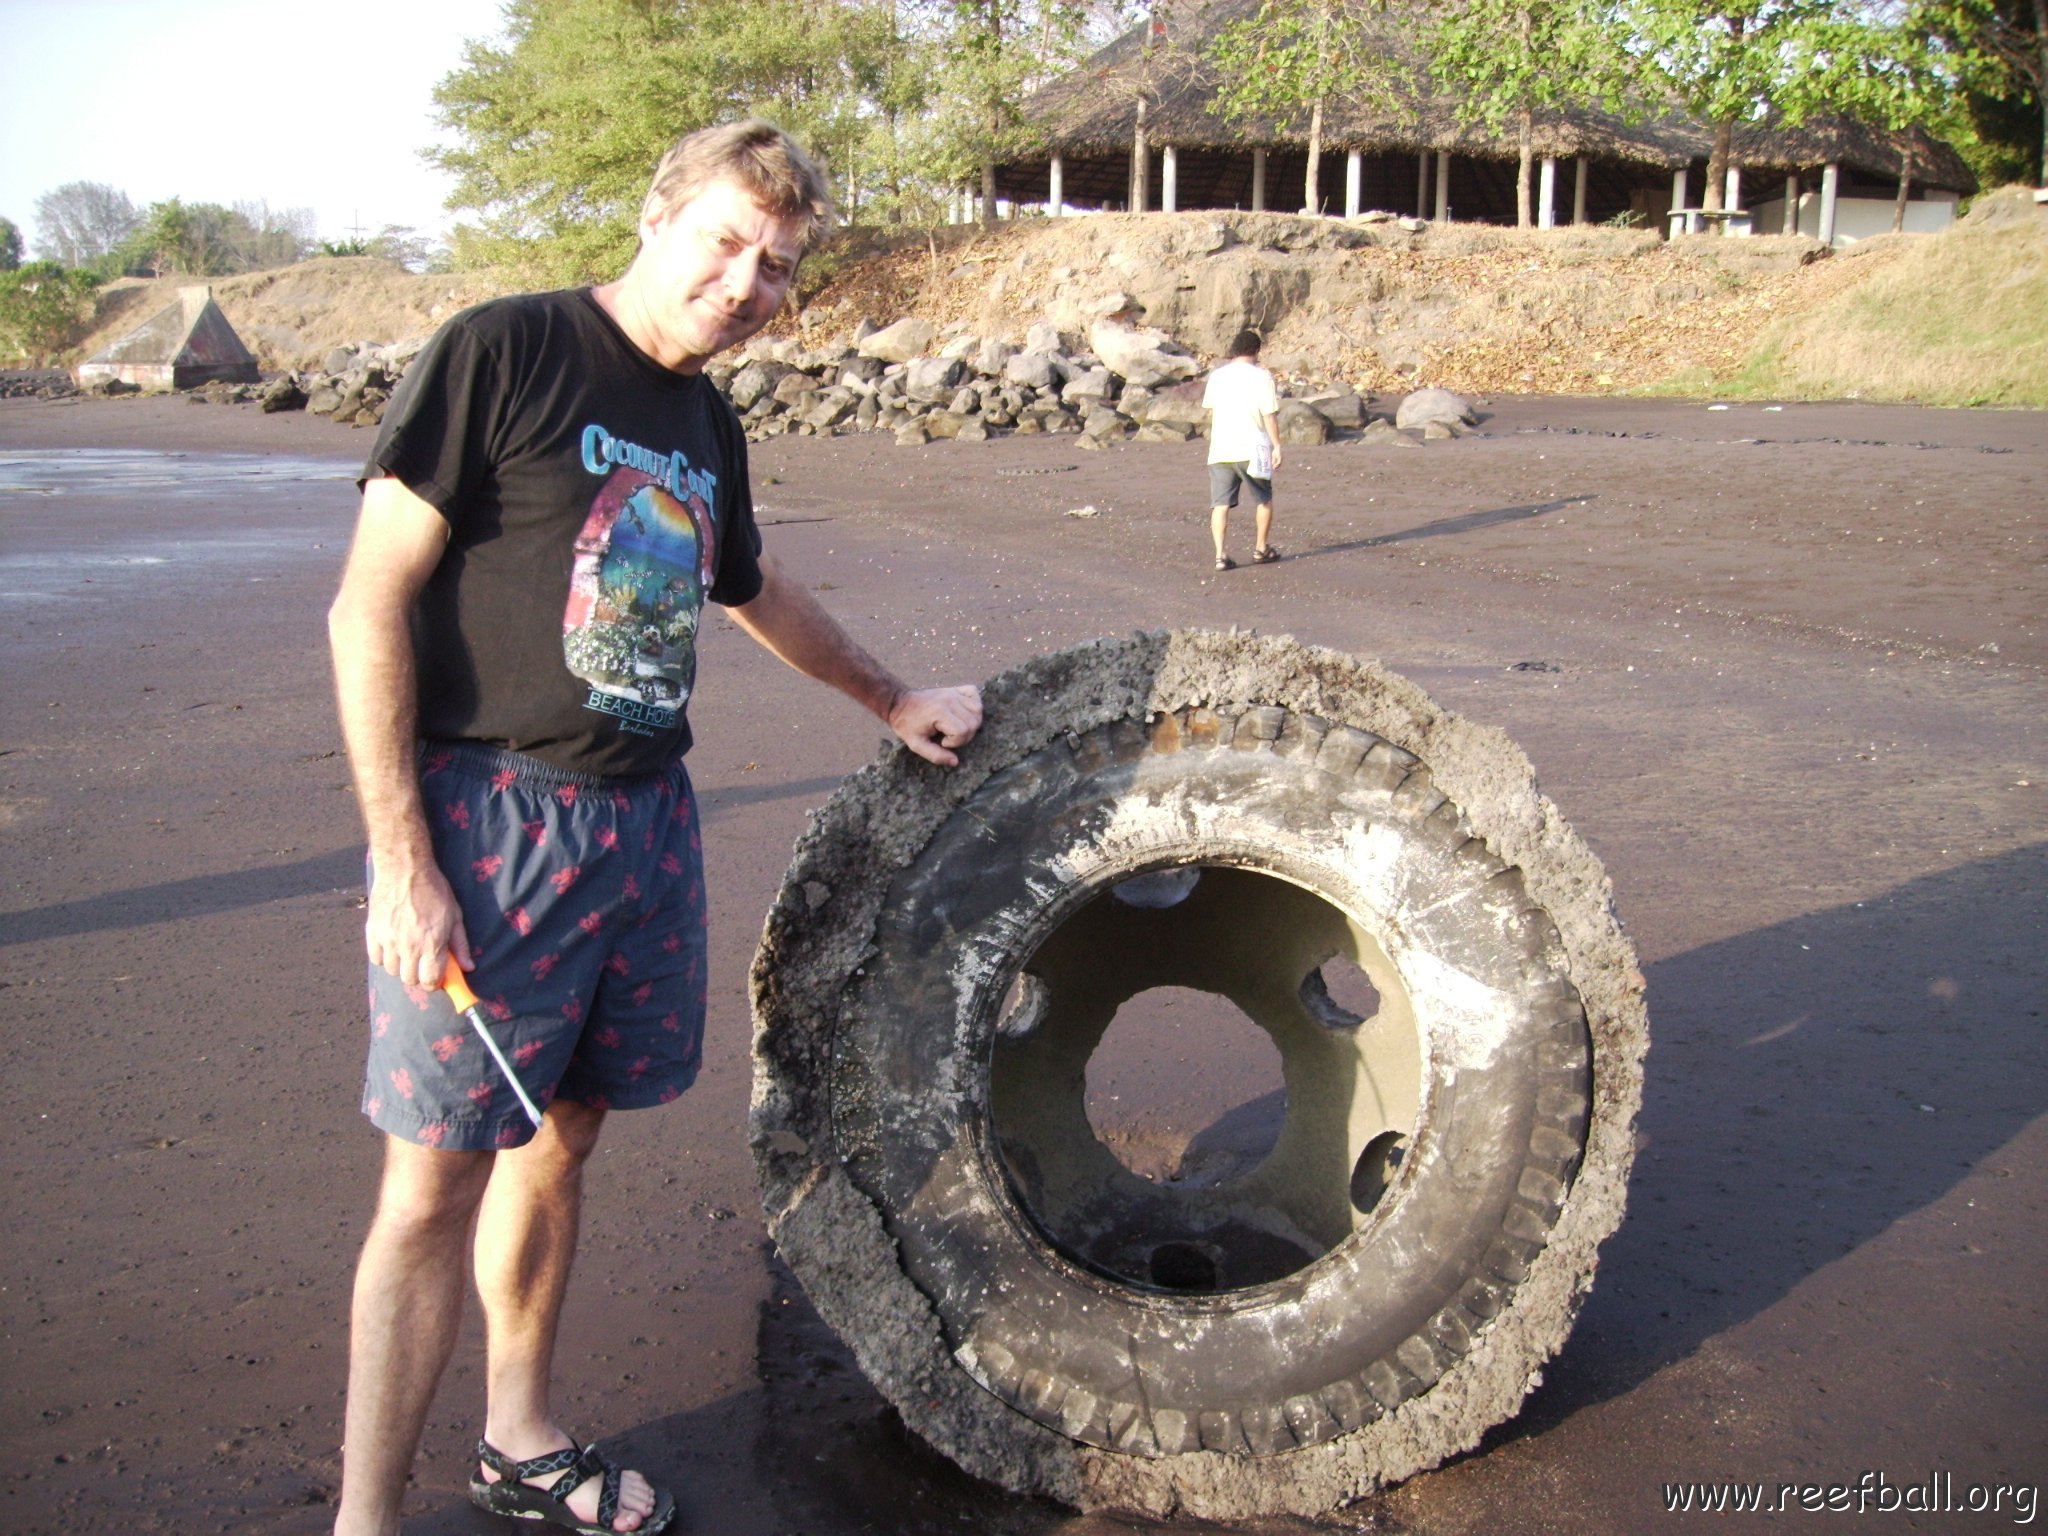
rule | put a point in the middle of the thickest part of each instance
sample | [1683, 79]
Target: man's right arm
[413, 920]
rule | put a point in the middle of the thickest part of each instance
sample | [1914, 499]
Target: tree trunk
[1905, 186]
[1141, 155]
[988, 192]
[1311, 201]
[1525, 144]
[1717, 163]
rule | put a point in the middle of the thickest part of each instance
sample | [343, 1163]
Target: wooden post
[1546, 193]
[1443, 185]
[1830, 188]
[1258, 181]
[1678, 200]
[1791, 205]
[1169, 178]
[1579, 190]
[1354, 182]
[1056, 196]
[1422, 185]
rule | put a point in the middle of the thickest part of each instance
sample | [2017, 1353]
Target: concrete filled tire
[1375, 1288]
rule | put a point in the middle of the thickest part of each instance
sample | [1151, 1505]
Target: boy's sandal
[1265, 556]
[1225, 563]
[513, 1495]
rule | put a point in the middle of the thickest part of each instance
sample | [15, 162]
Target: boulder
[792, 386]
[1033, 370]
[1384, 434]
[1165, 432]
[1302, 424]
[1176, 406]
[990, 357]
[1044, 336]
[753, 381]
[932, 379]
[1344, 409]
[1427, 405]
[1104, 424]
[283, 394]
[1096, 384]
[900, 342]
[1141, 356]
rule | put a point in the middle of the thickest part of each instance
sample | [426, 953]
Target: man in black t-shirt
[555, 492]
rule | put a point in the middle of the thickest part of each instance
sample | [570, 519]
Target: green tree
[1504, 61]
[10, 245]
[1295, 59]
[41, 305]
[2000, 51]
[560, 126]
[1732, 61]
[82, 221]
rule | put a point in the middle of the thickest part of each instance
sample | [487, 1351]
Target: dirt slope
[1474, 308]
[291, 317]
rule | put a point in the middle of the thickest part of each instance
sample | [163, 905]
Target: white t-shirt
[1240, 396]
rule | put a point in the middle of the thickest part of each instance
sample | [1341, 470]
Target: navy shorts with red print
[583, 899]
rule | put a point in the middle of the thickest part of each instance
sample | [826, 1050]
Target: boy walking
[1244, 445]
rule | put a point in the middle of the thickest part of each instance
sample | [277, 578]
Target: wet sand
[1790, 687]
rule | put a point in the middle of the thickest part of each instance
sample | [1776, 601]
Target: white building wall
[1857, 218]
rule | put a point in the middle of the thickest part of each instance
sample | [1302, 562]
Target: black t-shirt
[595, 499]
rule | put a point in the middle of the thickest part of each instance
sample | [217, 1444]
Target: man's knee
[426, 1190]
[569, 1130]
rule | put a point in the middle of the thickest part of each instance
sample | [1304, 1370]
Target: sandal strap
[565, 1460]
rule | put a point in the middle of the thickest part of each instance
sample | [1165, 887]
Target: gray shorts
[1224, 479]
[583, 899]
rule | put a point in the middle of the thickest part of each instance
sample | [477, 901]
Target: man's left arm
[791, 623]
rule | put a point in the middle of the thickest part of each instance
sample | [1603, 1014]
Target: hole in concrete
[1177, 1064]
[1339, 994]
[1187, 1088]
[1375, 1169]
[1183, 1267]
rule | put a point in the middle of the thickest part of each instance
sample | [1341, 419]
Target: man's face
[713, 272]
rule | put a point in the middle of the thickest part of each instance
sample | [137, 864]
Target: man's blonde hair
[755, 155]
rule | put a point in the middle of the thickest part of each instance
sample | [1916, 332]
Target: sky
[226, 101]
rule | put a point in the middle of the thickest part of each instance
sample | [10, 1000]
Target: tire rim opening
[1146, 1133]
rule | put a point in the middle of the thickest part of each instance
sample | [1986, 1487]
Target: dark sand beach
[1791, 688]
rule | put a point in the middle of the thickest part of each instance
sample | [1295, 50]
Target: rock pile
[1118, 383]
[352, 384]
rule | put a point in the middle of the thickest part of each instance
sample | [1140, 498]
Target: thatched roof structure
[1093, 114]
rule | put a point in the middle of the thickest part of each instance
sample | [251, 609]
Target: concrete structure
[184, 344]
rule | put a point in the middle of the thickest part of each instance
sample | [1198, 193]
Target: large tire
[1376, 1292]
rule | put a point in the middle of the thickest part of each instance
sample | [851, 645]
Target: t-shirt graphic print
[636, 588]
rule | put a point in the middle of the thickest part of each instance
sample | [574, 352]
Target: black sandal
[512, 1495]
[1225, 563]
[1265, 556]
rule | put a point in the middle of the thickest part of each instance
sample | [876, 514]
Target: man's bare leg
[1262, 524]
[1219, 520]
[525, 1245]
[408, 1303]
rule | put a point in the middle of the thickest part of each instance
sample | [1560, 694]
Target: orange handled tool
[456, 985]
